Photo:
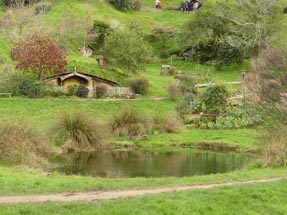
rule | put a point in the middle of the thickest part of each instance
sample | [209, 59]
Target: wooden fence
[118, 91]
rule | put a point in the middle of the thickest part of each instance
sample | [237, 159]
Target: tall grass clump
[174, 91]
[19, 144]
[78, 131]
[127, 122]
[165, 124]
[275, 148]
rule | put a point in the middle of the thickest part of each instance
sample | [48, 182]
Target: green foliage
[42, 8]
[254, 23]
[72, 90]
[98, 34]
[204, 32]
[29, 86]
[162, 33]
[238, 119]
[127, 50]
[127, 5]
[215, 99]
[83, 91]
[228, 54]
[187, 83]
[188, 105]
[139, 85]
[16, 3]
[78, 131]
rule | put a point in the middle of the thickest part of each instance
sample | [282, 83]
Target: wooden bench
[6, 94]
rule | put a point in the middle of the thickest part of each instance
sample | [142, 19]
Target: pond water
[113, 164]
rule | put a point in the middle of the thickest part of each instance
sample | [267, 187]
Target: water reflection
[152, 163]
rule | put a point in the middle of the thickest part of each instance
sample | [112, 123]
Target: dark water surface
[136, 163]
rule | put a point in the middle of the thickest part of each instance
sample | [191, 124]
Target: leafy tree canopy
[127, 49]
[39, 54]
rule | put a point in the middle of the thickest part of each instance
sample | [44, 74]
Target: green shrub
[285, 10]
[127, 122]
[126, 5]
[83, 91]
[188, 105]
[187, 83]
[101, 90]
[42, 8]
[99, 32]
[228, 54]
[19, 144]
[234, 119]
[78, 131]
[72, 90]
[215, 99]
[28, 86]
[139, 85]
[57, 93]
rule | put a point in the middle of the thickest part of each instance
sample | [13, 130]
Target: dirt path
[108, 195]
[95, 100]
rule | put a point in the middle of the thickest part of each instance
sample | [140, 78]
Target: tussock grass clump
[166, 124]
[275, 149]
[19, 144]
[78, 131]
[174, 91]
[127, 122]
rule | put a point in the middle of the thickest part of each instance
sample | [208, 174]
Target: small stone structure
[165, 70]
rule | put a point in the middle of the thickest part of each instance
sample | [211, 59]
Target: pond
[141, 163]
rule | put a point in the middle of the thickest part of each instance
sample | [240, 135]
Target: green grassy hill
[81, 13]
[84, 13]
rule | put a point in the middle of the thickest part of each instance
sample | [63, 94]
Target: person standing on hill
[158, 4]
[196, 5]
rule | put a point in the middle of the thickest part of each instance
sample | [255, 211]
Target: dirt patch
[109, 195]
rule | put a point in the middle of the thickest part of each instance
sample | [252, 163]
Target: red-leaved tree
[40, 55]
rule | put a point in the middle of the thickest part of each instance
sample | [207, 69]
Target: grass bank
[18, 180]
[48, 111]
[268, 198]
[244, 139]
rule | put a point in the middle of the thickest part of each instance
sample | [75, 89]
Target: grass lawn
[253, 199]
[42, 112]
[243, 138]
[18, 180]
